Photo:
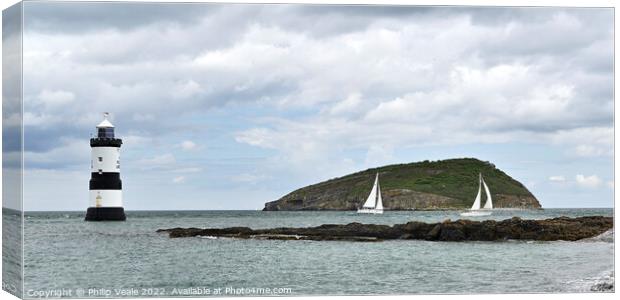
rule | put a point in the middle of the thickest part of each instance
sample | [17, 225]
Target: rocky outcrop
[515, 201]
[562, 228]
[405, 199]
[446, 184]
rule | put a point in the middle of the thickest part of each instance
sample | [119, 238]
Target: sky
[231, 106]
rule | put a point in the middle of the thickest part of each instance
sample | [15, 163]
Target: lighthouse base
[105, 214]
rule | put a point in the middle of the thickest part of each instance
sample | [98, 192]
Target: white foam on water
[593, 284]
[607, 237]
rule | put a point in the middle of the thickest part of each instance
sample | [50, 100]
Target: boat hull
[370, 211]
[476, 213]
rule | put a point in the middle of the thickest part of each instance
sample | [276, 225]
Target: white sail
[477, 201]
[379, 204]
[371, 202]
[489, 203]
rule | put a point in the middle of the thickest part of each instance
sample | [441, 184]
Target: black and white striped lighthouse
[106, 200]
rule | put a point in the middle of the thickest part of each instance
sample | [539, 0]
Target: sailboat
[475, 209]
[374, 203]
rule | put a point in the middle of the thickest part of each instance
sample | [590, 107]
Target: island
[427, 185]
[561, 228]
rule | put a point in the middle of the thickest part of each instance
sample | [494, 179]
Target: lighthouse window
[100, 159]
[105, 132]
[100, 171]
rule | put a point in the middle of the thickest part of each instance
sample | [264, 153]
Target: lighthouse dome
[105, 123]
[105, 129]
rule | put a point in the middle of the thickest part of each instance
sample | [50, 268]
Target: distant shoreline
[259, 210]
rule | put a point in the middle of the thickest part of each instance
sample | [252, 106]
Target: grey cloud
[288, 57]
[11, 80]
[79, 17]
[11, 21]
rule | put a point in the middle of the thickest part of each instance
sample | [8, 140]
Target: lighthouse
[106, 201]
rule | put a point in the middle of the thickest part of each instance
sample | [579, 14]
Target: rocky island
[562, 228]
[426, 185]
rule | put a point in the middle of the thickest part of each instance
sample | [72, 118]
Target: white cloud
[610, 184]
[353, 88]
[178, 179]
[591, 150]
[379, 155]
[12, 120]
[388, 84]
[348, 105]
[424, 76]
[504, 103]
[187, 89]
[557, 178]
[157, 162]
[187, 170]
[69, 152]
[41, 119]
[56, 98]
[250, 178]
[132, 139]
[591, 181]
[188, 145]
[586, 141]
[143, 117]
[256, 137]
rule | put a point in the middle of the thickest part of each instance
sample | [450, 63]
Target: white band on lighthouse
[106, 198]
[105, 159]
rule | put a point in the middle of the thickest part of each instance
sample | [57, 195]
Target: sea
[65, 255]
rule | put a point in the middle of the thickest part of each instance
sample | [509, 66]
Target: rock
[603, 287]
[452, 231]
[562, 228]
[434, 233]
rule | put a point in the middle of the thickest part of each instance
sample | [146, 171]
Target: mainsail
[477, 201]
[475, 210]
[374, 199]
[379, 205]
[489, 203]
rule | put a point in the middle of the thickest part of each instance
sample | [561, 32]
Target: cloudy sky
[230, 106]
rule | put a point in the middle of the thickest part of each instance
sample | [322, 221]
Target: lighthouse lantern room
[106, 201]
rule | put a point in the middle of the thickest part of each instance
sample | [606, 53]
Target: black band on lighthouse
[105, 214]
[106, 142]
[105, 181]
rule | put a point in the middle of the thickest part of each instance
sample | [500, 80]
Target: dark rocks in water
[603, 287]
[562, 228]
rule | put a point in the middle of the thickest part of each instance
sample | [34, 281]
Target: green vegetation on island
[444, 184]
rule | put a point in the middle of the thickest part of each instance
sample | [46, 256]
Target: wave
[607, 236]
[601, 283]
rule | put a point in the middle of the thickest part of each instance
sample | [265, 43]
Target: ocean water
[11, 251]
[105, 259]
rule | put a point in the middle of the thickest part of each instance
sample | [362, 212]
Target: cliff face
[446, 184]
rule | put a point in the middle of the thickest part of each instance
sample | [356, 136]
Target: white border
[571, 3]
